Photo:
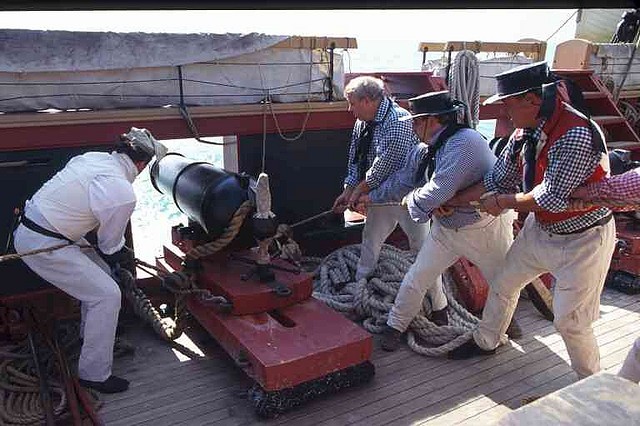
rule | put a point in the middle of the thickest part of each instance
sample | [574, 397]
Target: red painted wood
[95, 134]
[628, 230]
[293, 345]
[471, 285]
[626, 257]
[222, 275]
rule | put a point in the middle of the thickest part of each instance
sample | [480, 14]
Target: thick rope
[180, 284]
[371, 300]
[227, 236]
[145, 310]
[464, 85]
[20, 400]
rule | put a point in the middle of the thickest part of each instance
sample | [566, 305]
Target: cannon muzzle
[207, 194]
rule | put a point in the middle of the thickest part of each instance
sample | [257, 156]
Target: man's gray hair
[365, 87]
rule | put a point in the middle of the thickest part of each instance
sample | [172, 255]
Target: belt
[599, 222]
[40, 230]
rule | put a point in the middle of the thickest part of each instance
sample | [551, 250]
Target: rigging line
[627, 69]
[259, 89]
[100, 95]
[194, 131]
[207, 82]
[563, 24]
[85, 83]
[256, 63]
[185, 114]
[267, 99]
[306, 118]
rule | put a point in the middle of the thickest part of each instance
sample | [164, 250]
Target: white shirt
[107, 205]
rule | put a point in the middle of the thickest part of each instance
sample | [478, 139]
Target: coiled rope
[371, 300]
[464, 85]
[20, 400]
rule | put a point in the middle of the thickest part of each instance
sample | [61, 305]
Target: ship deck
[168, 388]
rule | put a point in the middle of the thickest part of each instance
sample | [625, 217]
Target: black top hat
[519, 80]
[434, 103]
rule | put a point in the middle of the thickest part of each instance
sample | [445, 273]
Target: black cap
[434, 103]
[519, 80]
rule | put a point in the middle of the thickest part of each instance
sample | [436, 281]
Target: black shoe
[469, 350]
[391, 339]
[440, 317]
[112, 385]
[514, 331]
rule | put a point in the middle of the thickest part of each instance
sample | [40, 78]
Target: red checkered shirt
[623, 188]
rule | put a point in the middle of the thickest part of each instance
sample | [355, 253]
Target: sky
[387, 39]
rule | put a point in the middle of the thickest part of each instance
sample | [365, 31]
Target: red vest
[561, 121]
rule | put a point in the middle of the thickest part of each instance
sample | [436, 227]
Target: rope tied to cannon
[227, 235]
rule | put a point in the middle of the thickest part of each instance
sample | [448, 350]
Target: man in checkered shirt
[379, 145]
[553, 150]
[452, 157]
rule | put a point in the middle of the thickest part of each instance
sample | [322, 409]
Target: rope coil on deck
[20, 399]
[371, 300]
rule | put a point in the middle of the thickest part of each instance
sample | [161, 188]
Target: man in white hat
[553, 150]
[452, 157]
[92, 192]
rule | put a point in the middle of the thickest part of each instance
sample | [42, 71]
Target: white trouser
[82, 274]
[631, 367]
[579, 263]
[380, 223]
[484, 243]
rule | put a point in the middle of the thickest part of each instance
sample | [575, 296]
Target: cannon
[293, 346]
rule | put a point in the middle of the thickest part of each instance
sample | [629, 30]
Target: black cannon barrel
[207, 194]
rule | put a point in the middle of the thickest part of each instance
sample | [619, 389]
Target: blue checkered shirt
[463, 160]
[392, 141]
[572, 159]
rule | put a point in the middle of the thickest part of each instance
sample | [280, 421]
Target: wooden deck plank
[455, 399]
[405, 405]
[610, 363]
[544, 370]
[609, 344]
[377, 398]
[407, 387]
[388, 376]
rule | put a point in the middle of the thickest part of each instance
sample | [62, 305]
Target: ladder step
[608, 119]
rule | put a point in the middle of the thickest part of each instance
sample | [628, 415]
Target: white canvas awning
[92, 70]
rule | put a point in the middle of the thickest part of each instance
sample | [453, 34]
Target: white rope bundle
[371, 300]
[464, 84]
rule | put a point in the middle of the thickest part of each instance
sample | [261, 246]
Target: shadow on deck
[408, 388]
